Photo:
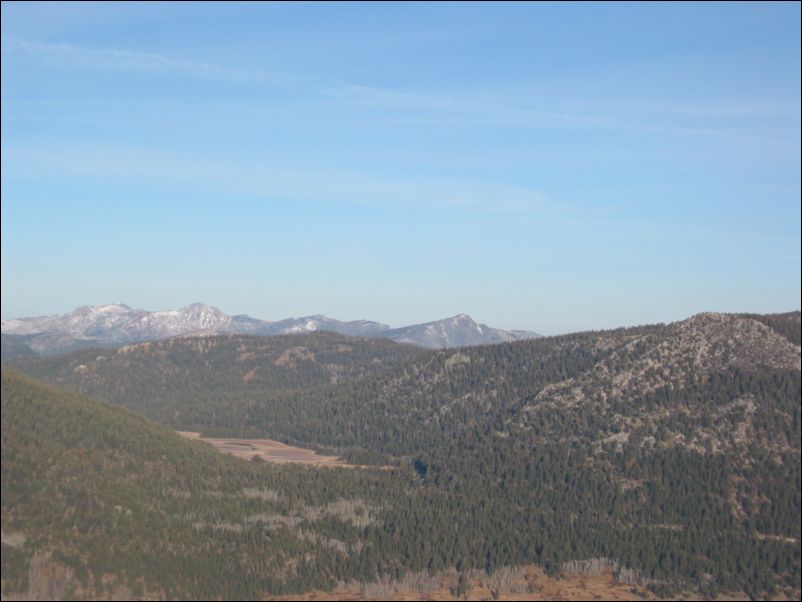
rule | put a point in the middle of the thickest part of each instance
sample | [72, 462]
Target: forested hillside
[787, 324]
[100, 502]
[672, 450]
[324, 389]
[192, 382]
[14, 346]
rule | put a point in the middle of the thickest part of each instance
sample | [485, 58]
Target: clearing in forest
[268, 450]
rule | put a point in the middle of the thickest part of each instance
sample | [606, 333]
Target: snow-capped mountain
[458, 331]
[113, 324]
[119, 324]
[81, 321]
[361, 328]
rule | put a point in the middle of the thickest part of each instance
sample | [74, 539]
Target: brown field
[268, 450]
[529, 584]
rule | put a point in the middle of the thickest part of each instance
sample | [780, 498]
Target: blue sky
[554, 167]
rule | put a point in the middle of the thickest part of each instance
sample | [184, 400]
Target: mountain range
[667, 455]
[118, 324]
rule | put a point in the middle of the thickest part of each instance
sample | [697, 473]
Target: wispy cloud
[69, 55]
[265, 180]
[397, 107]
[378, 96]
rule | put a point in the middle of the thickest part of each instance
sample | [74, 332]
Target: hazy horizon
[546, 167]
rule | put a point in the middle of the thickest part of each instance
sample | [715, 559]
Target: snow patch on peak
[200, 309]
[463, 317]
[197, 306]
[112, 308]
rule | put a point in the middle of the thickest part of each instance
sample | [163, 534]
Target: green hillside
[198, 382]
[100, 502]
[673, 450]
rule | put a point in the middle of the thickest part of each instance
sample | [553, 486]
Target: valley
[654, 461]
[401, 301]
[268, 450]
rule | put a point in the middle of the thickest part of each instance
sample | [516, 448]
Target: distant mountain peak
[463, 317]
[100, 309]
[197, 306]
[119, 324]
[460, 330]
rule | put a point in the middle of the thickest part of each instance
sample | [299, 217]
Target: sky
[552, 167]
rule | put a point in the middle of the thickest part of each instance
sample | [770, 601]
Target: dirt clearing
[268, 450]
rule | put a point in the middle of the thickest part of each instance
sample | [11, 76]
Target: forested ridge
[118, 505]
[673, 450]
[189, 381]
[14, 346]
